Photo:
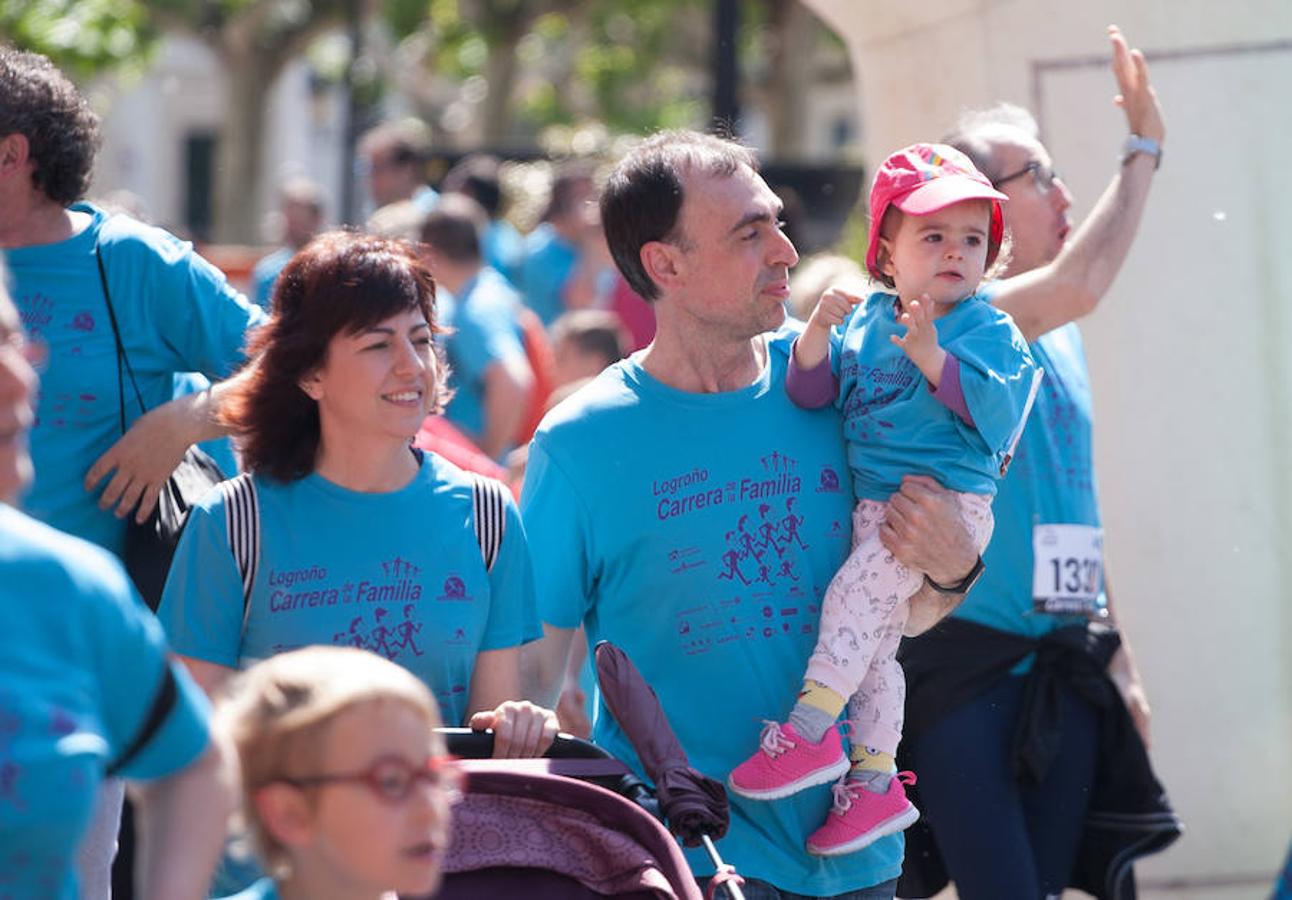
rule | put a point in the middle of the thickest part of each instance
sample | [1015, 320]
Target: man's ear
[14, 153]
[286, 814]
[663, 262]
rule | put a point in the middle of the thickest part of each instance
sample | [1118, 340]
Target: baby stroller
[579, 824]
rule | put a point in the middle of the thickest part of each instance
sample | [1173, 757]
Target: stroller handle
[468, 744]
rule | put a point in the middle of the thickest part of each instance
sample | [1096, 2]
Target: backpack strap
[489, 504]
[242, 521]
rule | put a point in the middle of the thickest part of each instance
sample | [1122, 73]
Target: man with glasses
[1001, 833]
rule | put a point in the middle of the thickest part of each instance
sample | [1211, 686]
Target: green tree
[253, 39]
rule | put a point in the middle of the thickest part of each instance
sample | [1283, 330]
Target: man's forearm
[203, 409]
[928, 607]
[1074, 283]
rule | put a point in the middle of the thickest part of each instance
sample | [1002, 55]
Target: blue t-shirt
[485, 331]
[176, 312]
[549, 263]
[699, 533]
[503, 249]
[893, 424]
[264, 889]
[397, 573]
[81, 664]
[1051, 481]
[265, 275]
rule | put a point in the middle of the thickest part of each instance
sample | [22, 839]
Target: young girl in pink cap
[932, 381]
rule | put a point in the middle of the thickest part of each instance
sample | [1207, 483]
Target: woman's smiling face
[379, 381]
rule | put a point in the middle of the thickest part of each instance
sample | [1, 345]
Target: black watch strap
[962, 586]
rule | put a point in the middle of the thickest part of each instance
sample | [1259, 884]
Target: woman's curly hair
[40, 103]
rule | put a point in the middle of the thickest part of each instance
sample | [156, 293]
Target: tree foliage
[83, 37]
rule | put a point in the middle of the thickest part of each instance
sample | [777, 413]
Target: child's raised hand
[920, 343]
[813, 345]
[833, 307]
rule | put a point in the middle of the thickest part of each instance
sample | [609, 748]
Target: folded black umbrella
[694, 805]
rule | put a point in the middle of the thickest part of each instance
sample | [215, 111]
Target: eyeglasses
[33, 351]
[392, 778]
[1044, 175]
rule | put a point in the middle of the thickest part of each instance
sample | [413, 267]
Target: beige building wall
[1191, 360]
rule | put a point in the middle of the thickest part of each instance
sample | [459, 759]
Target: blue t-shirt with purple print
[81, 665]
[399, 573]
[1051, 481]
[176, 313]
[893, 423]
[699, 533]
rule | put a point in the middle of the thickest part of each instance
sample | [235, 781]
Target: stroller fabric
[522, 833]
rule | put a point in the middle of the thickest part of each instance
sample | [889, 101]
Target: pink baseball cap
[922, 179]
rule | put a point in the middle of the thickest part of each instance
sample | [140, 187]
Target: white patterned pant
[862, 617]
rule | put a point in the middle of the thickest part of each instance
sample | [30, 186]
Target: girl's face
[379, 382]
[942, 254]
[366, 836]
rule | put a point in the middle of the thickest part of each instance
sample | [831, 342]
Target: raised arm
[1073, 284]
[810, 381]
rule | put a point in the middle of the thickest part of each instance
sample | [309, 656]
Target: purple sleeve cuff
[811, 388]
[949, 393]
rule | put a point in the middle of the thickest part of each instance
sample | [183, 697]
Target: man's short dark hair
[476, 176]
[598, 331]
[453, 228]
[643, 197]
[40, 103]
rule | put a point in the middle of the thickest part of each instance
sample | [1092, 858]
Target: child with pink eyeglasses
[931, 380]
[347, 788]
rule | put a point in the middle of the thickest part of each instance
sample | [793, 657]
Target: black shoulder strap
[163, 703]
[242, 522]
[489, 504]
[121, 348]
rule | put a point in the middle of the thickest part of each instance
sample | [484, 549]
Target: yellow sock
[869, 758]
[820, 697]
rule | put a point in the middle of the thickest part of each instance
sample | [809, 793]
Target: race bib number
[1069, 569]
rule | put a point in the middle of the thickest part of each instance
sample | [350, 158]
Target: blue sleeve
[997, 376]
[513, 617]
[201, 605]
[133, 663]
[481, 341]
[200, 318]
[557, 522]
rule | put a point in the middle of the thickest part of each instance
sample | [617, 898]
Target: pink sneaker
[860, 818]
[786, 763]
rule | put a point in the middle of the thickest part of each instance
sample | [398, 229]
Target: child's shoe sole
[900, 822]
[821, 776]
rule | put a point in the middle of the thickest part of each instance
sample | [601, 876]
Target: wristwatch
[1136, 143]
[962, 586]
